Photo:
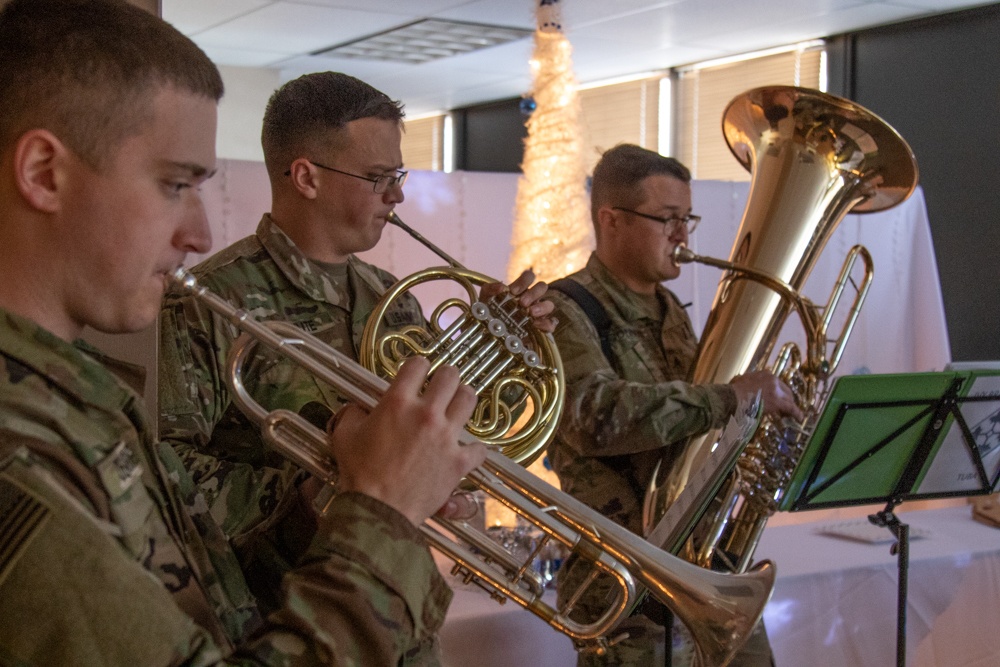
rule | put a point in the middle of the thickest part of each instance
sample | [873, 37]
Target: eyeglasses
[381, 183]
[670, 224]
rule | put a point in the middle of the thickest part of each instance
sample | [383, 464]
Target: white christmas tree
[552, 229]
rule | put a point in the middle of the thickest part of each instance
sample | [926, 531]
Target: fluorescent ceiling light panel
[426, 40]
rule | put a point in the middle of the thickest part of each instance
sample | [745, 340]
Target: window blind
[422, 144]
[703, 94]
[617, 113]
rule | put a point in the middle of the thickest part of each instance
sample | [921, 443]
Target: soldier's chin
[145, 308]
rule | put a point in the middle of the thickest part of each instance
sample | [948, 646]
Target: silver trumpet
[720, 610]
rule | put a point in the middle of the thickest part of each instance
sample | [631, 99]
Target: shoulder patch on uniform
[22, 516]
[119, 470]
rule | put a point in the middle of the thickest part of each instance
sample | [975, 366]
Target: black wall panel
[937, 81]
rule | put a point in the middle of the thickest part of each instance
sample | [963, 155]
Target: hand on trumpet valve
[529, 298]
[779, 400]
[405, 452]
[461, 505]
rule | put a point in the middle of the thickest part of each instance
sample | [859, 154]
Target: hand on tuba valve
[778, 399]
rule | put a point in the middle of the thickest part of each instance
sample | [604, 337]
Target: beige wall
[241, 111]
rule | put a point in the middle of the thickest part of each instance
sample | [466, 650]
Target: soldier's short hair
[305, 116]
[621, 169]
[88, 70]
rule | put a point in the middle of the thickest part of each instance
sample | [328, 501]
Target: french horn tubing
[514, 369]
[721, 610]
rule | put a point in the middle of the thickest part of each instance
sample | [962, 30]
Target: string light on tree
[552, 230]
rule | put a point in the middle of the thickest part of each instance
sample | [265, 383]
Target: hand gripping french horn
[813, 158]
[514, 369]
[721, 610]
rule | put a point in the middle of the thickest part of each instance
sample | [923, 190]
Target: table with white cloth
[483, 633]
[834, 602]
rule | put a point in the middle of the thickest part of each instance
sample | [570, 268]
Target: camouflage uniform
[108, 555]
[622, 416]
[250, 489]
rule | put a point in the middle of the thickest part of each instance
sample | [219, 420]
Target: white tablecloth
[835, 599]
[480, 632]
[834, 603]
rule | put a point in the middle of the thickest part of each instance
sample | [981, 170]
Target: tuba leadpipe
[720, 609]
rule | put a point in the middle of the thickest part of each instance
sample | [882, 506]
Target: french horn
[514, 369]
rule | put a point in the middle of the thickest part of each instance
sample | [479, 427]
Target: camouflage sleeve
[60, 562]
[366, 595]
[368, 575]
[193, 397]
[606, 415]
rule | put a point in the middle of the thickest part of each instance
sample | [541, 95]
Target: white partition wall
[469, 216]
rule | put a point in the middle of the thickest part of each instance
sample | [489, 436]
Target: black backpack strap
[591, 307]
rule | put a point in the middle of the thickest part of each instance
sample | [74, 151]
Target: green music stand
[891, 438]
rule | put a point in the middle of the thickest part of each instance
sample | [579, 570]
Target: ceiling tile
[192, 16]
[412, 7]
[244, 57]
[296, 28]
[610, 38]
[515, 13]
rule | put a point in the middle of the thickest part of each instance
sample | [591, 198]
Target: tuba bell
[813, 158]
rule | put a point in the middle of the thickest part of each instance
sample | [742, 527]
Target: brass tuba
[813, 158]
[720, 609]
[514, 368]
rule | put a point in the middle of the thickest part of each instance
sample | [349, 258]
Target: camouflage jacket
[622, 415]
[250, 489]
[108, 555]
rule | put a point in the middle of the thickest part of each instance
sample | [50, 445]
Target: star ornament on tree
[548, 15]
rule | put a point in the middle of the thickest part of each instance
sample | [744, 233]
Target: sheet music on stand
[891, 438]
[902, 437]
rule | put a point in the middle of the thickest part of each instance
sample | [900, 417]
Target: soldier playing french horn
[332, 151]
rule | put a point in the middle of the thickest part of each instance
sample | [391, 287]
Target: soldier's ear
[41, 164]
[303, 177]
[607, 220]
